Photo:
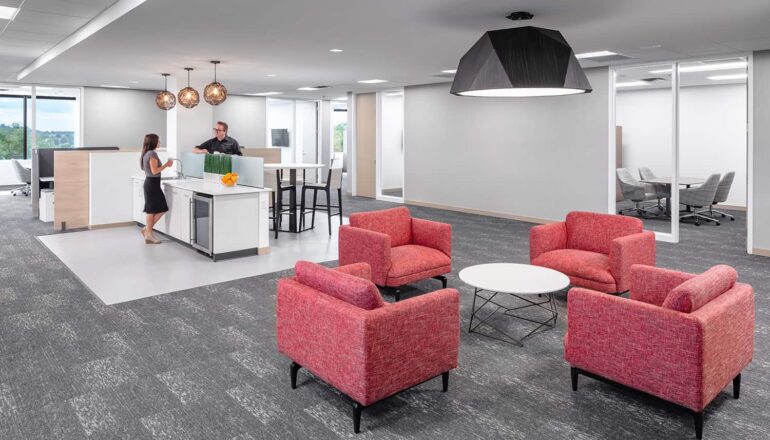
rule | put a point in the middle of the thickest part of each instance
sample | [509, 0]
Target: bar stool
[276, 198]
[333, 182]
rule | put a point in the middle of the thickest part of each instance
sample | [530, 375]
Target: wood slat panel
[71, 174]
[366, 144]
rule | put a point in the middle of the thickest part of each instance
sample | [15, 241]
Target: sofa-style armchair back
[594, 232]
[395, 222]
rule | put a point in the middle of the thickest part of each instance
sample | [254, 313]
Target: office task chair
[699, 197]
[635, 191]
[723, 190]
[333, 183]
[24, 175]
[661, 191]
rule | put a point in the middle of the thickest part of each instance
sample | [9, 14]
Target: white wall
[529, 157]
[280, 114]
[115, 117]
[391, 141]
[246, 116]
[712, 137]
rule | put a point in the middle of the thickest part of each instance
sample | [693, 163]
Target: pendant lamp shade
[165, 99]
[188, 96]
[215, 93]
[520, 62]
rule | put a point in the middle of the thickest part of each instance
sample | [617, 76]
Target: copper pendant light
[165, 99]
[215, 93]
[188, 96]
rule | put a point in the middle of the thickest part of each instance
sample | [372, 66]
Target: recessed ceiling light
[308, 89]
[134, 82]
[597, 54]
[728, 77]
[335, 50]
[8, 13]
[109, 86]
[271, 75]
[706, 67]
[373, 81]
[632, 84]
[341, 98]
[265, 93]
[450, 71]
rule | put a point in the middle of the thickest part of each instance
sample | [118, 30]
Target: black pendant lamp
[520, 62]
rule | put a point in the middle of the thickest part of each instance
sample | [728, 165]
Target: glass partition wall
[681, 130]
[390, 145]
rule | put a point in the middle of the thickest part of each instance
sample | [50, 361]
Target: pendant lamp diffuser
[165, 99]
[520, 62]
[188, 96]
[215, 93]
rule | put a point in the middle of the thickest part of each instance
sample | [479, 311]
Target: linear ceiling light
[728, 77]
[8, 13]
[335, 50]
[632, 84]
[308, 89]
[449, 71]
[706, 67]
[373, 81]
[598, 54]
[117, 10]
[108, 86]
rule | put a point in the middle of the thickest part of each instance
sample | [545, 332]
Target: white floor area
[118, 266]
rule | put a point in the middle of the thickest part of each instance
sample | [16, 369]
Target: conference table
[686, 182]
[292, 167]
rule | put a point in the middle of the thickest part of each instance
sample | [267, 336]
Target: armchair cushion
[577, 263]
[652, 284]
[432, 234]
[590, 231]
[395, 222]
[699, 290]
[349, 288]
[413, 260]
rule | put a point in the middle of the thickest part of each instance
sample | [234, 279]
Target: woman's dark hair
[150, 143]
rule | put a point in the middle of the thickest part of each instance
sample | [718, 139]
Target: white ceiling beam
[117, 10]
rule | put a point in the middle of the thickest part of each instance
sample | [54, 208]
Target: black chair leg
[302, 210]
[329, 209]
[737, 386]
[315, 204]
[445, 381]
[573, 372]
[698, 418]
[357, 410]
[275, 214]
[443, 280]
[339, 197]
[294, 369]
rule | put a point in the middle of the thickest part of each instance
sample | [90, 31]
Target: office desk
[687, 182]
[292, 167]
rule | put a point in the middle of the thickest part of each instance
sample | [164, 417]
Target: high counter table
[292, 167]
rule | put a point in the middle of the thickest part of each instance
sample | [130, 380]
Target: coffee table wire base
[499, 309]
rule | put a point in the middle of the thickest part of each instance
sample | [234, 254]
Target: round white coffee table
[494, 280]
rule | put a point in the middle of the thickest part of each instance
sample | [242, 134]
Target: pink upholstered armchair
[335, 324]
[594, 250]
[400, 249]
[679, 337]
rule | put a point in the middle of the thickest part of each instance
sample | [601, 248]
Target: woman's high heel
[149, 239]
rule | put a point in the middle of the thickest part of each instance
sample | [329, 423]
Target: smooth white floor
[118, 266]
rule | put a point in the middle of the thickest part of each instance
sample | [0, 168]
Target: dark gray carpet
[202, 363]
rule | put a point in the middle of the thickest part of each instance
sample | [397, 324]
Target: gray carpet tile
[202, 363]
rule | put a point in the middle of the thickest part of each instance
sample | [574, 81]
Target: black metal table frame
[549, 323]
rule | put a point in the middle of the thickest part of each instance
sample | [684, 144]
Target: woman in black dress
[154, 200]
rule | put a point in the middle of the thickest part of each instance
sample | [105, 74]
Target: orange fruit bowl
[230, 179]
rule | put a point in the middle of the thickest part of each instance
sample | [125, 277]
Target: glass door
[390, 146]
[645, 167]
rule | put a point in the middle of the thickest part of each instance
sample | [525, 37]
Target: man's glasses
[217, 129]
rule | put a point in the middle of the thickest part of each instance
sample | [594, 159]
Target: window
[12, 123]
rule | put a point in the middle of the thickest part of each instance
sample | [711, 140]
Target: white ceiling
[404, 41]
[38, 26]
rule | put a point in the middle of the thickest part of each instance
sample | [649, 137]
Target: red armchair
[595, 251]
[679, 337]
[399, 249]
[335, 324]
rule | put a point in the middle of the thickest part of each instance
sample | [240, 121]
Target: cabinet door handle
[193, 238]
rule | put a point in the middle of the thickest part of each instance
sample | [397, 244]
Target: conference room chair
[661, 191]
[698, 198]
[634, 191]
[723, 190]
[333, 183]
[24, 175]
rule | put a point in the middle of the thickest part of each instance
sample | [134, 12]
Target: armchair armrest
[360, 270]
[649, 348]
[652, 284]
[546, 238]
[629, 250]
[411, 341]
[728, 337]
[432, 234]
[357, 245]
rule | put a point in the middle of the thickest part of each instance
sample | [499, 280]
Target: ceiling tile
[69, 8]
